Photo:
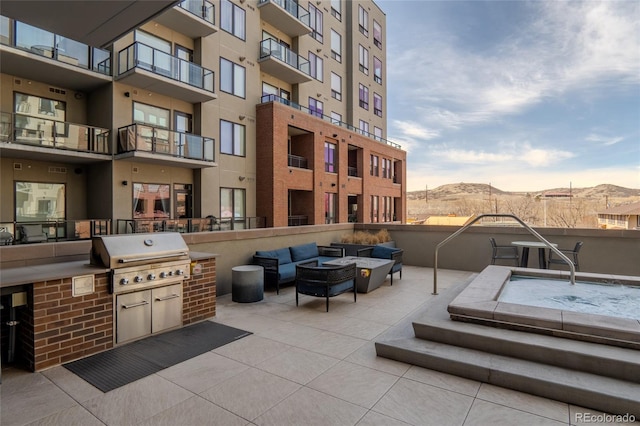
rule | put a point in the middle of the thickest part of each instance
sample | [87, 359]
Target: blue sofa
[280, 265]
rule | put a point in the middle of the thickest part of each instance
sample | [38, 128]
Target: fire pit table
[370, 273]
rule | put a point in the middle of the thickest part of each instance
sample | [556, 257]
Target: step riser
[580, 396]
[618, 369]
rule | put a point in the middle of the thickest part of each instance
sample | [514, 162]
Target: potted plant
[357, 240]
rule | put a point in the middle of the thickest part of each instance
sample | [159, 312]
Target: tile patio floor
[301, 366]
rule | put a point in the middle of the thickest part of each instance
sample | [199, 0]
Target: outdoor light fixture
[127, 94]
[125, 183]
[241, 178]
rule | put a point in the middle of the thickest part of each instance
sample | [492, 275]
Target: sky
[521, 95]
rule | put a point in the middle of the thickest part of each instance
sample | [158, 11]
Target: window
[268, 89]
[386, 168]
[39, 201]
[232, 138]
[377, 133]
[377, 34]
[232, 78]
[387, 212]
[336, 86]
[336, 9]
[363, 95]
[364, 127]
[315, 18]
[373, 163]
[377, 70]
[374, 208]
[336, 46]
[233, 204]
[38, 120]
[330, 158]
[232, 19]
[315, 107]
[152, 115]
[336, 118]
[152, 59]
[377, 105]
[151, 201]
[315, 65]
[330, 207]
[363, 59]
[363, 21]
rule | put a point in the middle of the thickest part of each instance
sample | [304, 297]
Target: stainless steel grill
[147, 274]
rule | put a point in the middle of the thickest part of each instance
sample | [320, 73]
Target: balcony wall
[604, 251]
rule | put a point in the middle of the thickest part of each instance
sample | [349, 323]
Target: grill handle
[160, 256]
[162, 299]
[135, 305]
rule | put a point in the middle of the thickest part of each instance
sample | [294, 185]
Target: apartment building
[251, 112]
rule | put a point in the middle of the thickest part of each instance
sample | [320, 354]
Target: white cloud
[508, 154]
[604, 140]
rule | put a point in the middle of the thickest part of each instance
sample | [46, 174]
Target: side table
[247, 283]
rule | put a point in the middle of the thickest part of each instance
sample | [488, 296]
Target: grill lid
[118, 251]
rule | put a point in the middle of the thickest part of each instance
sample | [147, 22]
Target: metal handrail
[572, 267]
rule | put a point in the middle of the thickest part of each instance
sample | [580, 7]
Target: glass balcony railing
[49, 45]
[32, 130]
[139, 55]
[201, 8]
[141, 137]
[271, 48]
[294, 9]
[297, 161]
[275, 98]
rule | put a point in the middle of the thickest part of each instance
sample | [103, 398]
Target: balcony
[143, 66]
[283, 63]
[30, 137]
[193, 18]
[162, 146]
[35, 54]
[297, 161]
[286, 15]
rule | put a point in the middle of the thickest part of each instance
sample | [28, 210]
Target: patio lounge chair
[570, 253]
[32, 233]
[325, 281]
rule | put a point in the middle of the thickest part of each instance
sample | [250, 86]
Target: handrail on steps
[572, 267]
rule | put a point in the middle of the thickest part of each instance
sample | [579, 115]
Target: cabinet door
[133, 315]
[167, 308]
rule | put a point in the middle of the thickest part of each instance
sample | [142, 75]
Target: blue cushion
[283, 255]
[382, 252]
[304, 251]
[287, 272]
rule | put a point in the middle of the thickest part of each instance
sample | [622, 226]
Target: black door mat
[125, 364]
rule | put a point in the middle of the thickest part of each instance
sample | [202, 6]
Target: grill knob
[124, 281]
[151, 277]
[138, 279]
[179, 272]
[163, 275]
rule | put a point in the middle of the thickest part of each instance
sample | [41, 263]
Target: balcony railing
[352, 171]
[271, 48]
[202, 8]
[188, 225]
[274, 98]
[49, 45]
[31, 130]
[59, 229]
[297, 161]
[294, 9]
[139, 55]
[298, 220]
[142, 137]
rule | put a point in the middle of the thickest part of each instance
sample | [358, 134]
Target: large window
[315, 107]
[377, 105]
[329, 207]
[374, 165]
[39, 120]
[386, 168]
[363, 21]
[232, 19]
[377, 133]
[336, 9]
[233, 203]
[364, 127]
[377, 34]
[374, 208]
[363, 95]
[151, 201]
[377, 70]
[336, 86]
[363, 59]
[330, 158]
[232, 78]
[336, 46]
[151, 115]
[336, 118]
[315, 64]
[315, 22]
[40, 201]
[232, 138]
[387, 209]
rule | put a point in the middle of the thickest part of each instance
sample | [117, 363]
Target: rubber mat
[127, 363]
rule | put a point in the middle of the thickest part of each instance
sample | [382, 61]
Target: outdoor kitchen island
[66, 311]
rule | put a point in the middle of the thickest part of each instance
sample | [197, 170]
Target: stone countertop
[53, 271]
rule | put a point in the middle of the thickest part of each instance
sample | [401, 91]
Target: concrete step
[610, 395]
[604, 360]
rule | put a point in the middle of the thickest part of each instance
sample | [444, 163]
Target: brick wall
[199, 294]
[66, 327]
